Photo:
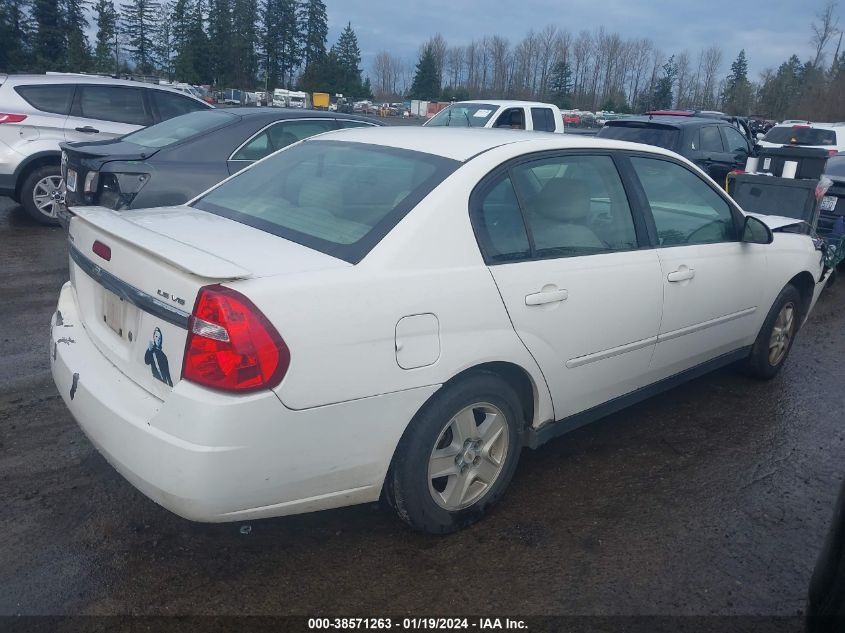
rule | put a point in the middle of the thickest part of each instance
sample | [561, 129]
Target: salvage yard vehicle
[827, 136]
[715, 145]
[170, 163]
[513, 115]
[397, 312]
[37, 112]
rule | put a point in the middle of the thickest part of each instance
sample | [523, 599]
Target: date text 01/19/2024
[416, 624]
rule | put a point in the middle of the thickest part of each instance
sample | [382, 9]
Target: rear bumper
[211, 457]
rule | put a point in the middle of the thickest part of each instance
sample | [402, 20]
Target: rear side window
[56, 98]
[180, 128]
[111, 103]
[686, 210]
[337, 197]
[658, 135]
[710, 140]
[170, 105]
[544, 119]
[499, 224]
[280, 135]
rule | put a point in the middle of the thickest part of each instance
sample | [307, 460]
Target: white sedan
[397, 312]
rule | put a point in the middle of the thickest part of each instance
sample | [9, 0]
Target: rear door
[711, 281]
[102, 112]
[565, 251]
[737, 146]
[711, 155]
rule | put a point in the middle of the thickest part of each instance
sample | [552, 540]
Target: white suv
[829, 136]
[37, 112]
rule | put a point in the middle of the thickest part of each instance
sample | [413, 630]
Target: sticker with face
[157, 359]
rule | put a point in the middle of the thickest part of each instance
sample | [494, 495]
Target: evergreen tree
[347, 57]
[244, 42]
[280, 42]
[737, 94]
[163, 41]
[220, 42]
[75, 23]
[426, 84]
[314, 30]
[49, 44]
[200, 48]
[662, 95]
[15, 33]
[138, 22]
[104, 59]
[181, 26]
[560, 85]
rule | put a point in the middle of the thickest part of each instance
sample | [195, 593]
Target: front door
[711, 280]
[582, 295]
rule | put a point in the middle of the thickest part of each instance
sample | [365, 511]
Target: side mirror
[760, 136]
[755, 231]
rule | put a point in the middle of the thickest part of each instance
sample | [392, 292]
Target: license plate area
[70, 181]
[829, 203]
[114, 312]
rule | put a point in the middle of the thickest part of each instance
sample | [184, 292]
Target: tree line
[245, 44]
[600, 70]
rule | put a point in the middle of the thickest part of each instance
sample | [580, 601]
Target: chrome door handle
[682, 274]
[542, 298]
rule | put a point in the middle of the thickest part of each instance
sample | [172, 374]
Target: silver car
[37, 112]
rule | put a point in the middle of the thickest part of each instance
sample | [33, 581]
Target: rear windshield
[336, 197]
[800, 136]
[773, 199]
[463, 115]
[659, 135]
[180, 128]
[836, 167]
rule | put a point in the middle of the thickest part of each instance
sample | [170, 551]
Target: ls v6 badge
[167, 295]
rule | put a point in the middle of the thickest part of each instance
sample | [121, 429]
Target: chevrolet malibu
[395, 313]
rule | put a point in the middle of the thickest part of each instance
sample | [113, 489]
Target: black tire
[759, 363]
[407, 487]
[28, 192]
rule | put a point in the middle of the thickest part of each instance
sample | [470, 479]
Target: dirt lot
[710, 499]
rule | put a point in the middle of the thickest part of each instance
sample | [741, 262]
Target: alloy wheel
[782, 333]
[48, 195]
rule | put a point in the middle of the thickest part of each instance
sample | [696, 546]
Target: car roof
[506, 102]
[87, 79]
[462, 144]
[664, 119]
[294, 113]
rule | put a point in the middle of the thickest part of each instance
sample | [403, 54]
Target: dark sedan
[173, 161]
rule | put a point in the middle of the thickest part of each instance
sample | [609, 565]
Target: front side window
[686, 210]
[281, 135]
[736, 141]
[512, 118]
[337, 197]
[110, 103]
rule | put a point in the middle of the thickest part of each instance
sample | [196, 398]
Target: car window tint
[710, 140]
[512, 118]
[543, 119]
[180, 128]
[281, 135]
[575, 205]
[736, 141]
[686, 210]
[499, 225]
[170, 105]
[109, 103]
[55, 98]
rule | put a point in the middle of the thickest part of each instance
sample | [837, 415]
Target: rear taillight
[11, 118]
[231, 345]
[832, 152]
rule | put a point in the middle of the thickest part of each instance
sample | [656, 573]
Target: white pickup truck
[515, 115]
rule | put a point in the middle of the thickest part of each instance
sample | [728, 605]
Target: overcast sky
[769, 30]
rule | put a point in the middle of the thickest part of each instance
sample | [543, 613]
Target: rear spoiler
[183, 256]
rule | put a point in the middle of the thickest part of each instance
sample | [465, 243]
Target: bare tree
[683, 80]
[824, 29]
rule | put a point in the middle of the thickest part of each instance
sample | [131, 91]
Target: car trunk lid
[136, 276]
